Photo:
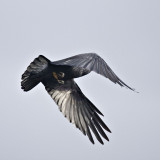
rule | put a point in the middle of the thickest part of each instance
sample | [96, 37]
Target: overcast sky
[125, 33]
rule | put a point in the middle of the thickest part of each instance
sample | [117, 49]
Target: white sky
[126, 33]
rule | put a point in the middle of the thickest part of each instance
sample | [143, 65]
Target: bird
[58, 79]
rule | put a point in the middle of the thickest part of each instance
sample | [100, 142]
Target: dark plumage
[58, 79]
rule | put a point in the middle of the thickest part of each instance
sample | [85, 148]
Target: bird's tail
[34, 73]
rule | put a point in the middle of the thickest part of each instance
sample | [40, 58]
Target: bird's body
[63, 73]
[58, 79]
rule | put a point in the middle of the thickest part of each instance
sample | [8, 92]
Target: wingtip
[92, 141]
[101, 142]
[136, 91]
[109, 130]
[133, 89]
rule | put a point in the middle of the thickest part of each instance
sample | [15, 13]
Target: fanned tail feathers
[32, 76]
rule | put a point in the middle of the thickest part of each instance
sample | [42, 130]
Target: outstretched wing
[93, 62]
[77, 108]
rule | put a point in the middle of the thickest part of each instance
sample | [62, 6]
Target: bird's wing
[78, 109]
[92, 62]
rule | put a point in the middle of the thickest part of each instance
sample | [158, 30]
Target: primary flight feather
[58, 79]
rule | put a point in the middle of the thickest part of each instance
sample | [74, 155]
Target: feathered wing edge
[78, 109]
[93, 62]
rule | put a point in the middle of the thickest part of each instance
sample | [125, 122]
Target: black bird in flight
[58, 79]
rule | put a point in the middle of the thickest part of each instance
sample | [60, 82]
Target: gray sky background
[126, 33]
